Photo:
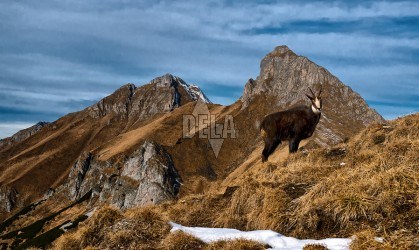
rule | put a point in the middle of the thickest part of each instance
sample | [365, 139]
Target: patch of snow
[193, 90]
[63, 227]
[198, 92]
[90, 213]
[379, 239]
[269, 237]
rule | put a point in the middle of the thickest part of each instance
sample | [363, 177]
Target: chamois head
[316, 101]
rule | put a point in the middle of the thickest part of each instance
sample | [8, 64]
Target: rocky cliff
[284, 80]
[8, 198]
[147, 176]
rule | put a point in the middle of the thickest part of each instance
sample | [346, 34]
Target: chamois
[294, 125]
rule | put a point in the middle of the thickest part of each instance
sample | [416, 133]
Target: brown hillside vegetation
[368, 186]
[369, 183]
[138, 228]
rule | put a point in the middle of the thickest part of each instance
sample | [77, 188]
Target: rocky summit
[161, 95]
[285, 78]
[128, 149]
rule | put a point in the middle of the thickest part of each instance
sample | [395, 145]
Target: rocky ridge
[160, 95]
[22, 134]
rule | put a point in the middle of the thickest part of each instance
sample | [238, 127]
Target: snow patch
[269, 237]
[379, 239]
[193, 90]
[64, 226]
[90, 213]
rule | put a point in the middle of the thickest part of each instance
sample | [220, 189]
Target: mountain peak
[282, 51]
[284, 79]
[160, 95]
[166, 80]
[192, 91]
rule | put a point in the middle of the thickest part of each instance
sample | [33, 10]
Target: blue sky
[58, 57]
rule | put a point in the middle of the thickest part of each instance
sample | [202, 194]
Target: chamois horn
[320, 91]
[312, 93]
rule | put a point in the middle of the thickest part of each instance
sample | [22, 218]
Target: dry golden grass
[396, 240]
[368, 186]
[91, 234]
[140, 228]
[314, 247]
[195, 210]
[70, 240]
[181, 241]
[371, 181]
[239, 244]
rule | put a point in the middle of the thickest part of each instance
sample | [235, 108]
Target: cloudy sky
[58, 57]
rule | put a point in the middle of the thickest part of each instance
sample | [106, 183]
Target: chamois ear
[309, 97]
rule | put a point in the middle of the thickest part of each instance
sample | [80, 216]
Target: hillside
[129, 149]
[367, 186]
[43, 161]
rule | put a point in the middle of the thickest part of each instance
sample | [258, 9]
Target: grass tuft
[239, 244]
[179, 240]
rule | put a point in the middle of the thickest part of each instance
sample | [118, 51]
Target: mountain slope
[369, 183]
[43, 160]
[121, 122]
[109, 152]
[367, 186]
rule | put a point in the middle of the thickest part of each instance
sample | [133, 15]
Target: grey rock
[49, 193]
[285, 77]
[77, 175]
[147, 176]
[153, 168]
[8, 198]
[160, 95]
[119, 103]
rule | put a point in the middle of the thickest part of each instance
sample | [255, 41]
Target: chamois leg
[265, 151]
[267, 141]
[293, 145]
[275, 144]
[270, 146]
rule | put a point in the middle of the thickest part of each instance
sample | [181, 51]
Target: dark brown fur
[291, 125]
